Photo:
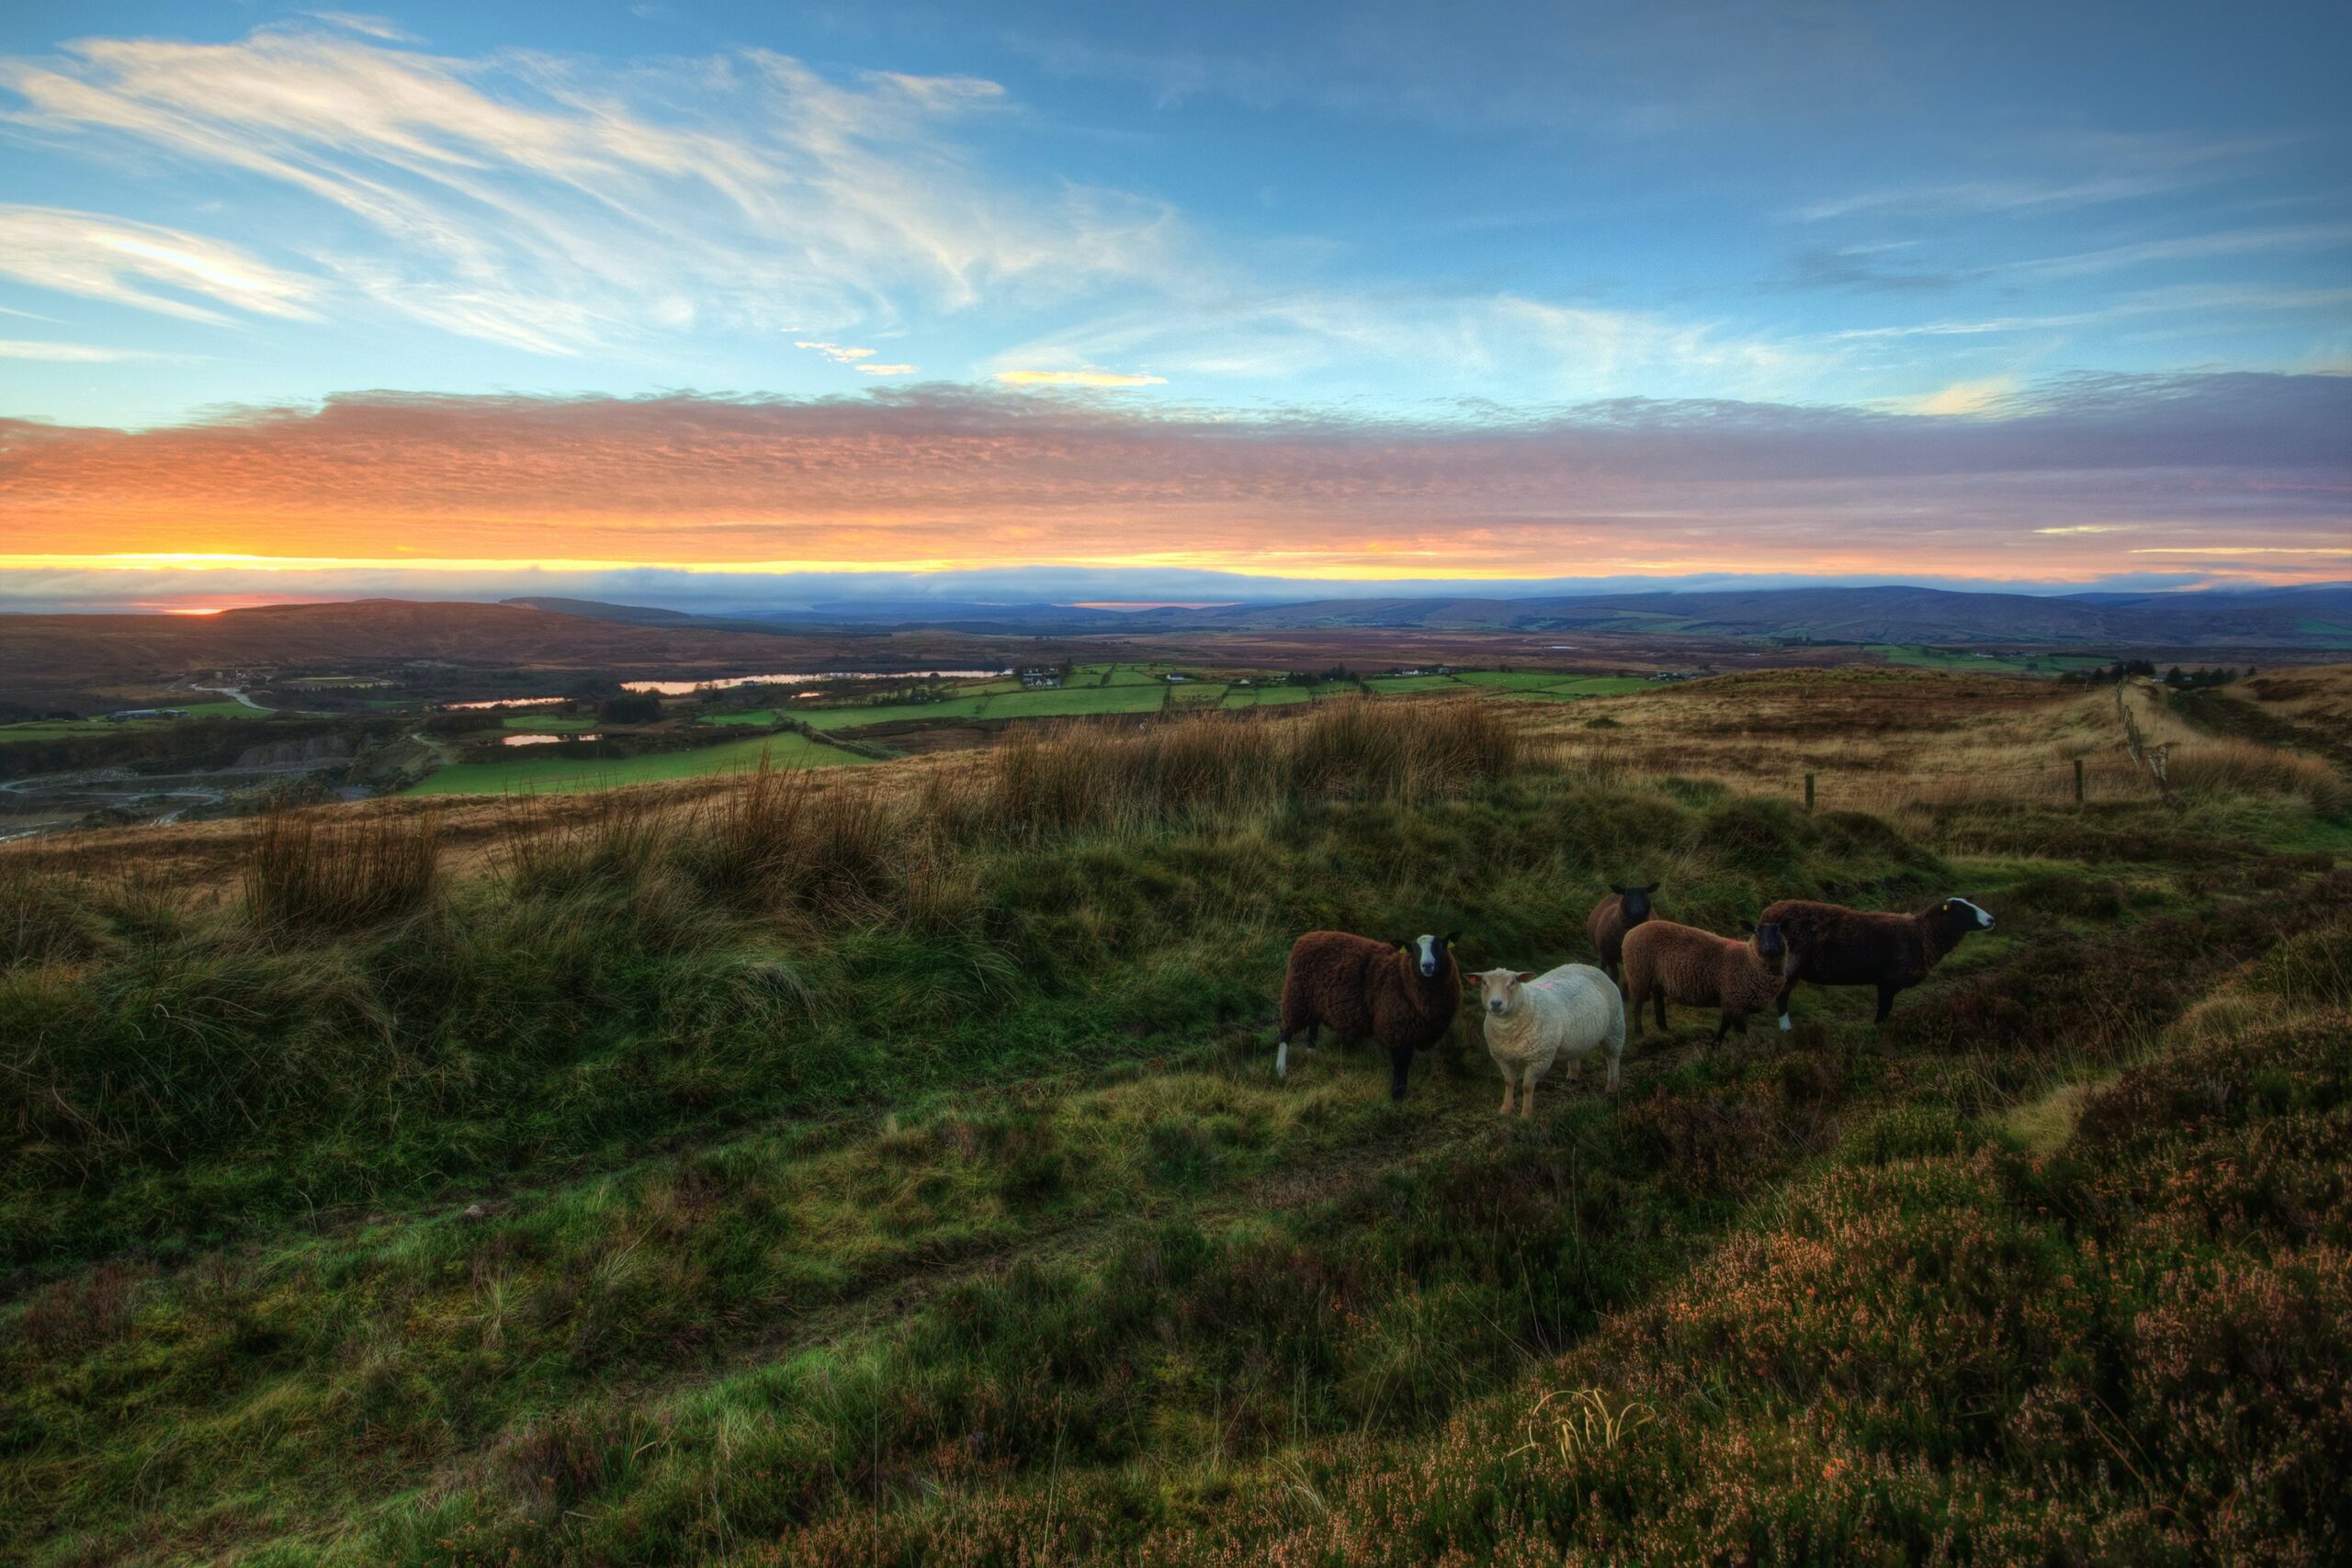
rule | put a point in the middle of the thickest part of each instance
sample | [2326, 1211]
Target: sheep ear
[1621, 891]
[1451, 938]
[1524, 976]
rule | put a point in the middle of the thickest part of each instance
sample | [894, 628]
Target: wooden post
[2078, 781]
[1808, 791]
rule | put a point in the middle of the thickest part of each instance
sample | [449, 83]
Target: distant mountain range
[2309, 617]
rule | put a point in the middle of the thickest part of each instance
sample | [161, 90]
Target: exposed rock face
[285, 753]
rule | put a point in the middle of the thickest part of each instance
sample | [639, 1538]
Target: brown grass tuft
[2249, 767]
[783, 837]
[1223, 765]
[308, 872]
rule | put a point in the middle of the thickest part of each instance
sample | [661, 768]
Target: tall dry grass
[308, 872]
[2249, 767]
[619, 838]
[1224, 766]
[785, 836]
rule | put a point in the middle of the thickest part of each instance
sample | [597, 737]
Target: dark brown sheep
[1832, 945]
[1667, 963]
[1402, 994]
[1625, 909]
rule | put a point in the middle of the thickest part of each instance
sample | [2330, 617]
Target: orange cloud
[2243, 476]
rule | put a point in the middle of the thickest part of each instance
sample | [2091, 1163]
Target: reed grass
[308, 872]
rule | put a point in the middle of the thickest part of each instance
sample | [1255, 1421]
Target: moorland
[884, 1163]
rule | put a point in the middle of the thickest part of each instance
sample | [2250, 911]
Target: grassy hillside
[886, 1166]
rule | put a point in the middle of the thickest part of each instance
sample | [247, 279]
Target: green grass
[823, 1193]
[527, 773]
[77, 728]
[1057, 703]
[1393, 684]
[548, 724]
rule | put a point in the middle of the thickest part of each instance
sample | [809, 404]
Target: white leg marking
[1784, 1023]
[1282, 1059]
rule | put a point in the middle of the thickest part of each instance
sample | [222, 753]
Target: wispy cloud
[838, 353]
[1538, 348]
[556, 205]
[67, 353]
[2189, 247]
[886, 369]
[2105, 167]
[1076, 379]
[142, 266]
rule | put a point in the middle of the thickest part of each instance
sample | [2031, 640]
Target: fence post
[2078, 781]
[1808, 791]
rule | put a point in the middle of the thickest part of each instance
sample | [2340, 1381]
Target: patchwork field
[528, 773]
[885, 1165]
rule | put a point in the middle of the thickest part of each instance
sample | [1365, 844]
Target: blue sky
[1431, 215]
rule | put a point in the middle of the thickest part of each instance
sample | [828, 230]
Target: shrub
[631, 707]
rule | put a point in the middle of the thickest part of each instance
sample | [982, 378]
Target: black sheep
[1625, 909]
[1832, 945]
[1402, 994]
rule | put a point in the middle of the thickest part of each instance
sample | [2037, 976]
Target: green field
[1060, 703]
[530, 774]
[1266, 696]
[525, 723]
[71, 728]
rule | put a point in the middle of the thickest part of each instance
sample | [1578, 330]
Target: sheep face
[1769, 941]
[1499, 990]
[1957, 918]
[1427, 952]
[1634, 901]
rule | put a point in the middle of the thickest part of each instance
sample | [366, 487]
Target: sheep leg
[1657, 999]
[1399, 1063]
[1282, 1057]
[1616, 1056]
[1526, 1096]
[1723, 1028]
[1886, 1002]
[1506, 1090]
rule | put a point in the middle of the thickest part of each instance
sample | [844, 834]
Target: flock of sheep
[1406, 994]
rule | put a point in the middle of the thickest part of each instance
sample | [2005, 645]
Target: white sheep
[1532, 1020]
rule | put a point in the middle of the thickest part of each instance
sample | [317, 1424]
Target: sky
[729, 304]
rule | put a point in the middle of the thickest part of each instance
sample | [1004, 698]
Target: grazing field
[530, 772]
[1066, 702]
[886, 1166]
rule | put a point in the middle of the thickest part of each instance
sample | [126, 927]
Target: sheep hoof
[1784, 1023]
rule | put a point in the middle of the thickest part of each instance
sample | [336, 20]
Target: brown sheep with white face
[1664, 961]
[1402, 994]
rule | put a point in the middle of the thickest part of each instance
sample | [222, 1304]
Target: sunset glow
[1482, 312]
